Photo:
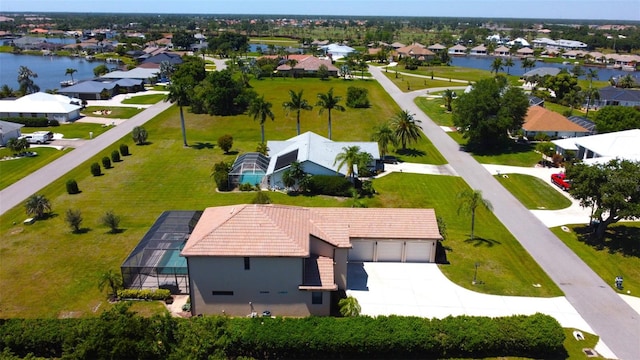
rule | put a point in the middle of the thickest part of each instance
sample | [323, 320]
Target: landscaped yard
[145, 99]
[16, 169]
[111, 112]
[408, 83]
[617, 255]
[76, 130]
[533, 193]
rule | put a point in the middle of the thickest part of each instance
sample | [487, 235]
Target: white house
[337, 51]
[8, 131]
[603, 147]
[316, 155]
[53, 107]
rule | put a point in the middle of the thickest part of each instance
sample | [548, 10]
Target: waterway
[50, 69]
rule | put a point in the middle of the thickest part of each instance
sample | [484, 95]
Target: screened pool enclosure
[248, 168]
[156, 260]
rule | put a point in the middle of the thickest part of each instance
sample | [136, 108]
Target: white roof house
[8, 131]
[604, 147]
[559, 44]
[137, 73]
[337, 51]
[315, 153]
[53, 107]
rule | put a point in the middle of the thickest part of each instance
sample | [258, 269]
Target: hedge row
[120, 334]
[144, 294]
[33, 122]
[330, 185]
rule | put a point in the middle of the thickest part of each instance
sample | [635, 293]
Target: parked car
[388, 159]
[35, 138]
[561, 181]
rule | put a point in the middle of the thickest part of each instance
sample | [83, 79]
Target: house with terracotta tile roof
[479, 50]
[245, 259]
[458, 49]
[416, 51]
[540, 120]
[306, 65]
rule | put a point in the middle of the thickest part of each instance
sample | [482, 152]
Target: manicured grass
[452, 72]
[533, 193]
[618, 254]
[408, 83]
[116, 112]
[504, 266]
[76, 130]
[435, 109]
[14, 170]
[574, 347]
[144, 99]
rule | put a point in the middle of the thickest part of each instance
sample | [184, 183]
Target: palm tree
[508, 62]
[27, 86]
[37, 205]
[329, 102]
[469, 201]
[180, 94]
[296, 103]
[528, 63]
[349, 157]
[70, 71]
[447, 97]
[112, 280]
[261, 110]
[6, 91]
[496, 65]
[383, 135]
[591, 94]
[405, 128]
[349, 306]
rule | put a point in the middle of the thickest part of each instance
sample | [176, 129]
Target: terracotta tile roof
[541, 119]
[318, 274]
[279, 230]
[415, 49]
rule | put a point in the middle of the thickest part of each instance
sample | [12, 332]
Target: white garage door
[418, 251]
[389, 251]
[362, 250]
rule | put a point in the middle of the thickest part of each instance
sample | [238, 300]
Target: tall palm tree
[626, 82]
[180, 94]
[508, 62]
[496, 65]
[528, 63]
[37, 205]
[349, 157]
[261, 110]
[326, 101]
[27, 86]
[296, 103]
[383, 135]
[406, 128]
[447, 97]
[469, 201]
[70, 71]
[591, 94]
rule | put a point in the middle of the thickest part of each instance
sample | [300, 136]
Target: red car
[561, 181]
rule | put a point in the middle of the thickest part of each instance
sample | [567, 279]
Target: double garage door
[392, 251]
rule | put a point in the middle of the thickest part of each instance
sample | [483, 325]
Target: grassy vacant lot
[76, 130]
[533, 193]
[144, 99]
[617, 254]
[452, 72]
[14, 170]
[411, 83]
[435, 109]
[117, 112]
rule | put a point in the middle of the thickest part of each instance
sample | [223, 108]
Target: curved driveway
[609, 316]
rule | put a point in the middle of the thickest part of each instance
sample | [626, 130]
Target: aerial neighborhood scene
[356, 180]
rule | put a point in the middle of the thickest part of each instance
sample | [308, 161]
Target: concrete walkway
[608, 315]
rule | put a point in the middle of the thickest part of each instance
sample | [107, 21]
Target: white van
[35, 138]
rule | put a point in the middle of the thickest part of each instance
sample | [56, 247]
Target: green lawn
[14, 170]
[533, 193]
[144, 99]
[411, 83]
[617, 254]
[435, 109]
[76, 130]
[116, 112]
[574, 347]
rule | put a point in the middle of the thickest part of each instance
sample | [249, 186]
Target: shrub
[29, 121]
[367, 188]
[106, 162]
[261, 198]
[144, 294]
[74, 219]
[225, 142]
[72, 187]
[139, 135]
[329, 185]
[357, 97]
[246, 187]
[115, 156]
[95, 169]
[542, 137]
[124, 150]
[111, 220]
[221, 175]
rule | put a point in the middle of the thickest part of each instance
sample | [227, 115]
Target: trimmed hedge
[119, 333]
[144, 294]
[72, 187]
[33, 122]
[330, 185]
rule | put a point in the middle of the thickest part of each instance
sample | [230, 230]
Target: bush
[95, 169]
[225, 142]
[72, 187]
[139, 135]
[30, 122]
[115, 156]
[357, 97]
[124, 150]
[246, 187]
[106, 162]
[221, 175]
[261, 198]
[144, 294]
[542, 137]
[330, 185]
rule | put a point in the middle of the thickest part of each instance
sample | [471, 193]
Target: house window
[316, 298]
[247, 263]
[221, 293]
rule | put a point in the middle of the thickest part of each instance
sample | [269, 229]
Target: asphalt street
[608, 315]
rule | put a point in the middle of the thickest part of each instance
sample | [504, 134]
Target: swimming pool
[252, 177]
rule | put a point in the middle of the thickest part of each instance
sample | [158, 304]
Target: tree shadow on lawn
[411, 152]
[81, 231]
[620, 239]
[479, 241]
[116, 231]
[201, 145]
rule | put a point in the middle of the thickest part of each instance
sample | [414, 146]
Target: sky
[545, 9]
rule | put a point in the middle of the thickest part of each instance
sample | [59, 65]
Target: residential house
[103, 88]
[501, 51]
[316, 155]
[158, 58]
[416, 51]
[542, 121]
[458, 50]
[437, 48]
[524, 52]
[246, 260]
[479, 50]
[305, 65]
[559, 44]
[337, 51]
[8, 131]
[53, 107]
[602, 148]
[542, 72]
[613, 96]
[520, 42]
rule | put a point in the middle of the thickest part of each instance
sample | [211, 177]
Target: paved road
[21, 190]
[610, 317]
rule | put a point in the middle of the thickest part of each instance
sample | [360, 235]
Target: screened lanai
[156, 262]
[248, 168]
